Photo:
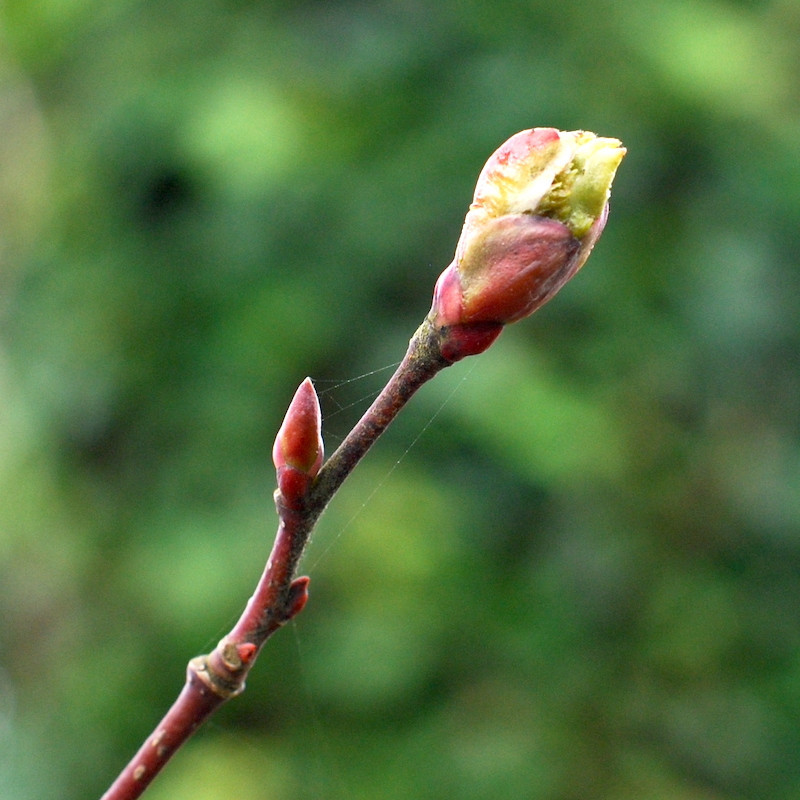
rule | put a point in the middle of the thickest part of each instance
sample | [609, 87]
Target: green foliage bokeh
[572, 568]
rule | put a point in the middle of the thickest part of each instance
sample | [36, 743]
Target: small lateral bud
[246, 651]
[298, 450]
[298, 597]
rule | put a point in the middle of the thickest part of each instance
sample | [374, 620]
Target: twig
[539, 206]
[213, 679]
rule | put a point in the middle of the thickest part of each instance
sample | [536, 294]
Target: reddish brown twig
[217, 677]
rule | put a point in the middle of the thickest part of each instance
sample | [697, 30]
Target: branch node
[221, 671]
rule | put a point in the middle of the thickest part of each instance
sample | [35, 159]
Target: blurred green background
[581, 581]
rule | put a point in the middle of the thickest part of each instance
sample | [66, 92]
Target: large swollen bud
[540, 204]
